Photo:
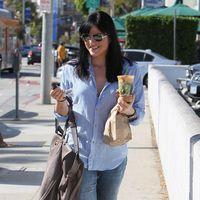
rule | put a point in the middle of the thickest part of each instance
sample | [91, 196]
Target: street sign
[27, 14]
[45, 6]
[153, 3]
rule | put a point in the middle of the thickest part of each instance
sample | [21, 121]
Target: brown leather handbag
[63, 174]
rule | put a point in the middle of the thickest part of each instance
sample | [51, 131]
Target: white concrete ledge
[175, 124]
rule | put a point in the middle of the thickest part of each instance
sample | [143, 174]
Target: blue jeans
[102, 185]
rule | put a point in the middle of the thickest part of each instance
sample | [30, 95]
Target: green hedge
[156, 33]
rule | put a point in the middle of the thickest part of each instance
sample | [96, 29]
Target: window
[148, 57]
[135, 56]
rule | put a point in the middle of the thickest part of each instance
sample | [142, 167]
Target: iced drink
[125, 83]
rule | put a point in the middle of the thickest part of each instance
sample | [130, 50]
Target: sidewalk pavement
[22, 164]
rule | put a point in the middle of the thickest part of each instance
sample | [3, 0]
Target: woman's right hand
[62, 105]
[58, 94]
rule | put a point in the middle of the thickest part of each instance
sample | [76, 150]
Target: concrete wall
[177, 130]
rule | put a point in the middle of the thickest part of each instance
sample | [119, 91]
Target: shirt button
[93, 141]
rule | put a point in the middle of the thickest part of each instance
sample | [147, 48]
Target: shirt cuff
[59, 117]
[136, 119]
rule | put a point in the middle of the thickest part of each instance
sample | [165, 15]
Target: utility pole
[23, 19]
[23, 12]
[198, 8]
[112, 8]
[47, 56]
[142, 4]
[198, 2]
[174, 41]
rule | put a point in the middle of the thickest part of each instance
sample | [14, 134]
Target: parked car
[193, 86]
[72, 51]
[145, 57]
[191, 69]
[189, 89]
[24, 50]
[34, 55]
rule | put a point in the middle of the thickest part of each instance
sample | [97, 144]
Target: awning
[9, 22]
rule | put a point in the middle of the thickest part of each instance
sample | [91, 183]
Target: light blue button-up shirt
[91, 112]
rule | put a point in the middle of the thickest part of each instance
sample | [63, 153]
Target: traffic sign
[153, 3]
[1, 3]
[45, 6]
[27, 14]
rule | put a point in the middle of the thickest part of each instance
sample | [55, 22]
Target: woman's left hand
[124, 107]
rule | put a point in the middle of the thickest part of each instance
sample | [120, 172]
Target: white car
[145, 57]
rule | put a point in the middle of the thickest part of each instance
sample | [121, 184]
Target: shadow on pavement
[12, 177]
[8, 132]
[14, 151]
[26, 144]
[29, 74]
[7, 74]
[48, 122]
[23, 159]
[22, 114]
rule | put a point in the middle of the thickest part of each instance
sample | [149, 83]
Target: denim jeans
[102, 185]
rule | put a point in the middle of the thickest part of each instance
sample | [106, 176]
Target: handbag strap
[70, 122]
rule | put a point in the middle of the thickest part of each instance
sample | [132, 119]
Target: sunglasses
[97, 37]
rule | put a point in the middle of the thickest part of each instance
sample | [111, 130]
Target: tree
[35, 24]
[121, 6]
[81, 6]
[15, 6]
[125, 6]
[36, 28]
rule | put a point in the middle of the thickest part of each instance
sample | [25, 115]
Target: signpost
[55, 20]
[16, 66]
[47, 56]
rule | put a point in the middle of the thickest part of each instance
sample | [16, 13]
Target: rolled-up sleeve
[60, 118]
[139, 104]
[64, 85]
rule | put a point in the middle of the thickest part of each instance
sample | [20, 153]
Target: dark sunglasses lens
[85, 37]
[98, 37]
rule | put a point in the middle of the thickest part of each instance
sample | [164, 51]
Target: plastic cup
[125, 83]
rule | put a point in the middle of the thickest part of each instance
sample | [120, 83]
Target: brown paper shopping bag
[117, 129]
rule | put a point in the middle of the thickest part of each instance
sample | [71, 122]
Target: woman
[93, 82]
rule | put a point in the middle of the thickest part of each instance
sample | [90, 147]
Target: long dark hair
[113, 58]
